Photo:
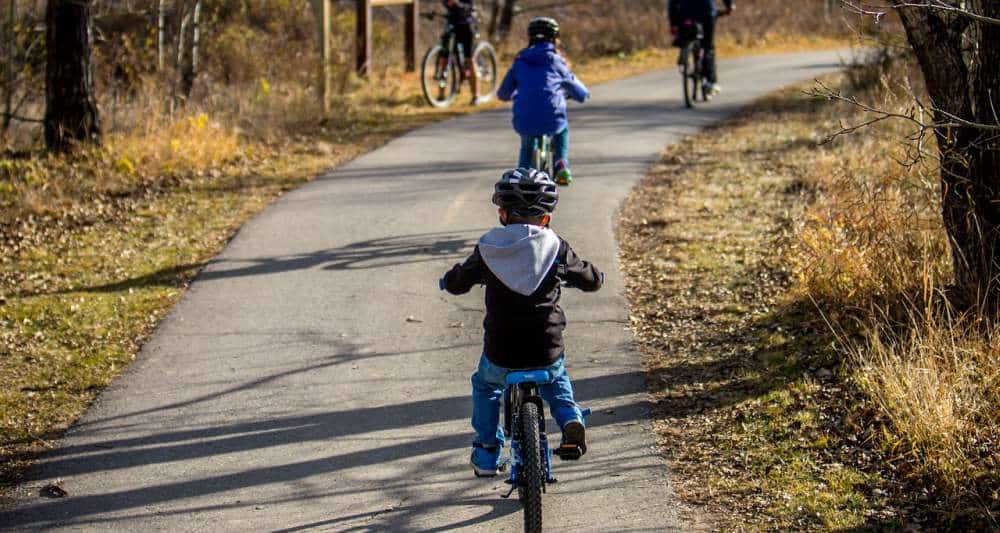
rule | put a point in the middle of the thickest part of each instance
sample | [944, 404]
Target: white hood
[520, 255]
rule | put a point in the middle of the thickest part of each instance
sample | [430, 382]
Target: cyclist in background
[462, 20]
[703, 12]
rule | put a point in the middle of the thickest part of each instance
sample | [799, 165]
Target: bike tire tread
[533, 476]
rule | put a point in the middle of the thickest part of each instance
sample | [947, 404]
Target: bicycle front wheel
[533, 476]
[485, 61]
[689, 75]
[439, 77]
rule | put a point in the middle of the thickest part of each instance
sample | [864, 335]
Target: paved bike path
[313, 377]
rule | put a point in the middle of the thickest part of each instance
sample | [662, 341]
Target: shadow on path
[369, 254]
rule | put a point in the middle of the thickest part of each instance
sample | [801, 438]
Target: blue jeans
[560, 149]
[488, 384]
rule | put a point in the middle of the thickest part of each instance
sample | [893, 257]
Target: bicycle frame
[541, 153]
[522, 387]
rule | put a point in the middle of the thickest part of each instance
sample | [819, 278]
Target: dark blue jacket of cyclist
[460, 12]
[703, 12]
[462, 20]
[678, 10]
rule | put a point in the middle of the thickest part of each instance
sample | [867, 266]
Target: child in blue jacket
[539, 82]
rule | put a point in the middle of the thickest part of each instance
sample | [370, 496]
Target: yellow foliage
[125, 165]
[188, 144]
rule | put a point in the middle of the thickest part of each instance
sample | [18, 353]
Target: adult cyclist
[462, 21]
[703, 12]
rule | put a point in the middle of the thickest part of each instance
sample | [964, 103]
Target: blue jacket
[462, 13]
[678, 10]
[539, 82]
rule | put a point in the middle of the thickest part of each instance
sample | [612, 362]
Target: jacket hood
[520, 255]
[540, 54]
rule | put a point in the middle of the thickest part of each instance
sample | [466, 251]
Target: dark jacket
[678, 10]
[522, 266]
[462, 13]
[539, 82]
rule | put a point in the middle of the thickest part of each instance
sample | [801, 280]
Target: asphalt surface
[314, 377]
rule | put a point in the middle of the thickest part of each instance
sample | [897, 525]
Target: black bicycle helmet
[542, 29]
[526, 192]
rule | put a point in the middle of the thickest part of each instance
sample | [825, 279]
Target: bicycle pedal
[568, 452]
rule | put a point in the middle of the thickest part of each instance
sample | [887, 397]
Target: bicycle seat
[529, 376]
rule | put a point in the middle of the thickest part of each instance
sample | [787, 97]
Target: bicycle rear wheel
[485, 60]
[439, 77]
[533, 475]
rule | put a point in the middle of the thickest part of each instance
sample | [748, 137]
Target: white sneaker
[712, 89]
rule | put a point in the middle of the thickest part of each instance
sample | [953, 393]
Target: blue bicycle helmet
[526, 192]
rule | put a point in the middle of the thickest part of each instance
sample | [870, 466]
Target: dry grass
[751, 415]
[939, 384]
[791, 298]
[872, 254]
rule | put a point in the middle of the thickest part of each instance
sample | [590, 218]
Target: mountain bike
[443, 71]
[530, 459]
[691, 62]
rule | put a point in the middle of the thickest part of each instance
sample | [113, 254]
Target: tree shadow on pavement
[254, 436]
[368, 254]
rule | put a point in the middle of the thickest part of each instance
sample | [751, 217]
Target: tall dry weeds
[871, 252]
[937, 380]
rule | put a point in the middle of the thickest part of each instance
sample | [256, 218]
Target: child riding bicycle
[539, 82]
[523, 265]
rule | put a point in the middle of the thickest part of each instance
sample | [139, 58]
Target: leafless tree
[957, 45]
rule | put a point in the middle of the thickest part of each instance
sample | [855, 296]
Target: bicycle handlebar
[562, 282]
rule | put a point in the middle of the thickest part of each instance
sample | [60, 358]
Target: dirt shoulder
[753, 419]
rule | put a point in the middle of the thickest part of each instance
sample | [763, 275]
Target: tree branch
[942, 6]
[19, 118]
[883, 115]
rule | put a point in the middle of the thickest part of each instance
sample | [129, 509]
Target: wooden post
[363, 42]
[327, 55]
[412, 32]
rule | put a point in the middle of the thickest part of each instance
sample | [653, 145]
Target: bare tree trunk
[506, 18]
[161, 36]
[11, 39]
[960, 61]
[179, 62]
[190, 69]
[494, 18]
[71, 109]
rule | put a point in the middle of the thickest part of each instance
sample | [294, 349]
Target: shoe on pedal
[563, 176]
[574, 441]
[485, 460]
